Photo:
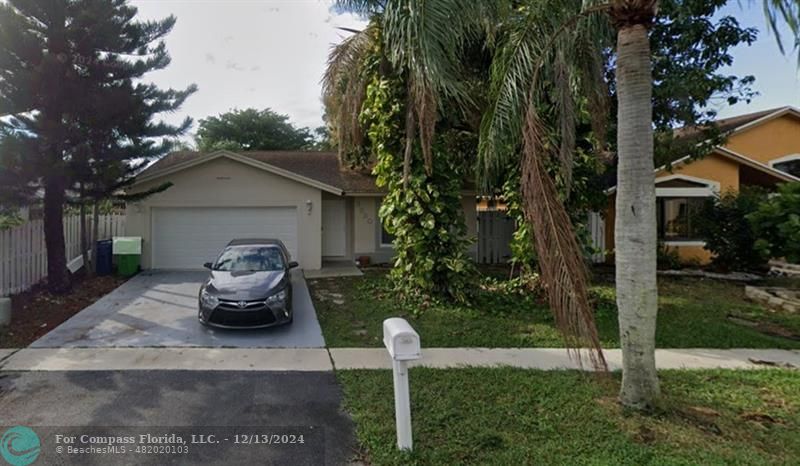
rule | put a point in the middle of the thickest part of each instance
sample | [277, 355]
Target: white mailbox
[401, 340]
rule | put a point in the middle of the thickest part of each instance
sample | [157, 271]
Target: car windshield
[250, 259]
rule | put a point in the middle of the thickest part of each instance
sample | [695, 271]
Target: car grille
[230, 305]
[242, 318]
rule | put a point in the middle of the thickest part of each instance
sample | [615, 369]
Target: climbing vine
[423, 213]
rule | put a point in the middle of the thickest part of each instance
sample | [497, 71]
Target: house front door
[334, 220]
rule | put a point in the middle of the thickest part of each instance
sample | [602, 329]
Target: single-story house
[318, 209]
[761, 149]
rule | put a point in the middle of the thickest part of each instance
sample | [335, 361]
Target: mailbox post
[402, 342]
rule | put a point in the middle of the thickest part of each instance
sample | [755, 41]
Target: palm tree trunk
[635, 224]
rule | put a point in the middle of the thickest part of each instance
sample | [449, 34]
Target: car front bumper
[230, 317]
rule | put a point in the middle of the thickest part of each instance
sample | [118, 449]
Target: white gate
[597, 228]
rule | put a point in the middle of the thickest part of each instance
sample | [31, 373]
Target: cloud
[226, 48]
[233, 66]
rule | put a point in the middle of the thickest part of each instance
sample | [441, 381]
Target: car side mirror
[208, 265]
[293, 264]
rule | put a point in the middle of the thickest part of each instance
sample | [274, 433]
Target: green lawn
[692, 313]
[513, 416]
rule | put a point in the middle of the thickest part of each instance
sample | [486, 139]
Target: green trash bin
[128, 264]
[128, 252]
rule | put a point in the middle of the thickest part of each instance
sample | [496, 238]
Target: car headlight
[277, 298]
[208, 300]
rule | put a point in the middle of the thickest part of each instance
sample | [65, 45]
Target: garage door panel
[185, 238]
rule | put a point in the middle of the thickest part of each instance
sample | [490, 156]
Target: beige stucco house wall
[325, 214]
[367, 228]
[228, 183]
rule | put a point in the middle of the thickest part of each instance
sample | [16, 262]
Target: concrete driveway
[159, 309]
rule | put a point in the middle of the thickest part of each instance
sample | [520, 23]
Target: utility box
[401, 340]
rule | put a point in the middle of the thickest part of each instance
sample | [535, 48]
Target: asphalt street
[225, 404]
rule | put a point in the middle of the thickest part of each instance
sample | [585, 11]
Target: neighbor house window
[677, 218]
[791, 167]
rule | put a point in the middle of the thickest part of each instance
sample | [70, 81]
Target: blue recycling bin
[104, 257]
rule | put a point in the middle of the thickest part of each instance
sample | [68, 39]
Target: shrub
[776, 224]
[523, 253]
[722, 223]
[667, 259]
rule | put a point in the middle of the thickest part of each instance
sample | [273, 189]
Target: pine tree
[77, 112]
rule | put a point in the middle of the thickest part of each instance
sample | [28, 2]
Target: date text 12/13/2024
[173, 439]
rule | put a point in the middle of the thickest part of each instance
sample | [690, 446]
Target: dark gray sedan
[249, 286]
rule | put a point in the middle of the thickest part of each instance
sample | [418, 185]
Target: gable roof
[731, 126]
[731, 155]
[319, 169]
[739, 123]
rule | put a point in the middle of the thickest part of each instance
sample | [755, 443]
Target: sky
[777, 76]
[271, 53]
[248, 53]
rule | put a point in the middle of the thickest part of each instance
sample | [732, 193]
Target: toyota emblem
[242, 304]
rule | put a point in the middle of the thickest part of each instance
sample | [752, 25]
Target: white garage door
[187, 237]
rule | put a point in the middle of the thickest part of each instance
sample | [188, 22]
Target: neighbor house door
[333, 227]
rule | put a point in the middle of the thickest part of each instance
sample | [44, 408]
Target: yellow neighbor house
[761, 149]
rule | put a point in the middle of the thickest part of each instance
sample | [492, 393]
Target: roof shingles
[323, 167]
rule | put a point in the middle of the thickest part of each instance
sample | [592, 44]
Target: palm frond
[423, 38]
[565, 111]
[364, 8]
[510, 77]
[560, 259]
[344, 88]
[786, 12]
[549, 52]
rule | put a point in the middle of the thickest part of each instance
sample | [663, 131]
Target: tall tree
[553, 55]
[635, 222]
[252, 129]
[66, 66]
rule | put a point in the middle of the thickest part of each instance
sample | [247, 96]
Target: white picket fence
[23, 259]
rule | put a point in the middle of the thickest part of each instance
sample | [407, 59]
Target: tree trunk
[635, 224]
[95, 237]
[57, 275]
[84, 233]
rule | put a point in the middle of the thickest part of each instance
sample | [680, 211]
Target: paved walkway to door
[159, 309]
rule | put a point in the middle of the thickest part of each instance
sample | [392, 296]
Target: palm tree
[548, 61]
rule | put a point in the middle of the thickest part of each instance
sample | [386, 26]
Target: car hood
[246, 286]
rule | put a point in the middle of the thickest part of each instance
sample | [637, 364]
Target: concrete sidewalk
[558, 358]
[313, 359]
